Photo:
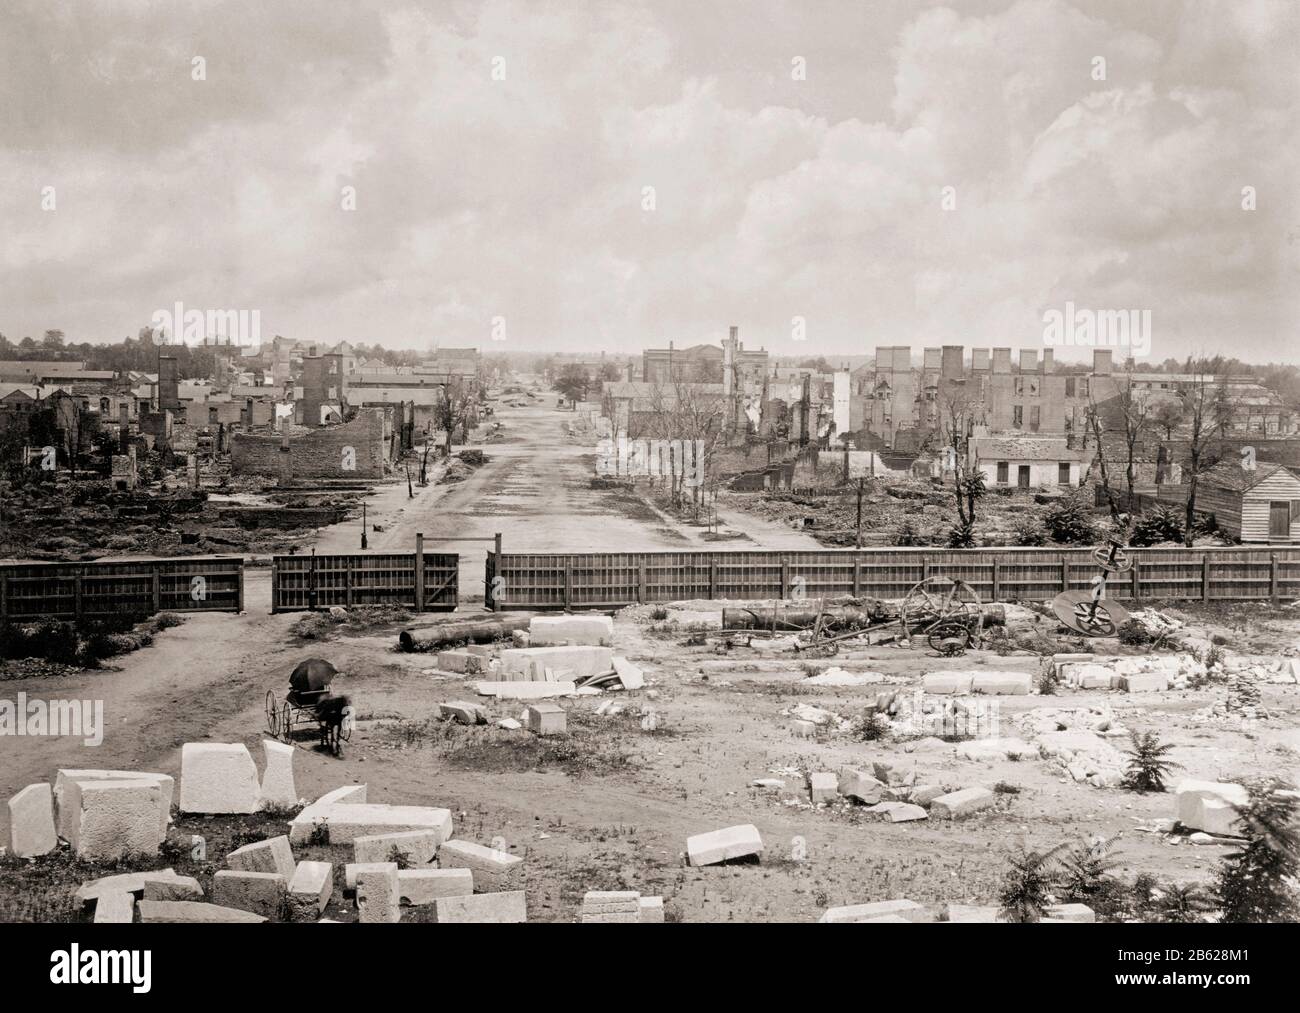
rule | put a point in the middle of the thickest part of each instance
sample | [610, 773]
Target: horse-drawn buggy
[310, 702]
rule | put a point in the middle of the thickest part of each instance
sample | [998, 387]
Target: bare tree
[957, 417]
[686, 412]
[1205, 402]
[455, 409]
[1129, 413]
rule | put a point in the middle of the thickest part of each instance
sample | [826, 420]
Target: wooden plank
[1205, 577]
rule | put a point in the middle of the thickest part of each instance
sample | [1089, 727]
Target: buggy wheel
[272, 716]
[286, 722]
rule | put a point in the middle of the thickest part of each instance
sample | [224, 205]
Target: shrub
[1134, 634]
[474, 458]
[1085, 878]
[962, 535]
[1029, 530]
[1149, 763]
[1160, 525]
[1180, 905]
[1068, 523]
[871, 727]
[908, 535]
[1027, 885]
[1256, 884]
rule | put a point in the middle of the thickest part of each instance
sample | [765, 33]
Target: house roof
[1232, 476]
[1024, 448]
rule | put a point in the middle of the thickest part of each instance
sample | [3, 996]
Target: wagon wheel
[286, 722]
[1112, 558]
[938, 599]
[949, 637]
[272, 716]
[1093, 619]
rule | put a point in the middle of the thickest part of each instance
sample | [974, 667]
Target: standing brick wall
[318, 454]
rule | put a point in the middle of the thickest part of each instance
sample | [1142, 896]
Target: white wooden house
[1260, 505]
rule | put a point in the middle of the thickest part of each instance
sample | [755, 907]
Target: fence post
[312, 581]
[640, 582]
[857, 577]
[713, 580]
[785, 580]
[568, 585]
[157, 588]
[1272, 577]
[348, 579]
[1065, 572]
[1137, 580]
[997, 579]
[275, 584]
[1205, 577]
[419, 571]
[76, 594]
[239, 588]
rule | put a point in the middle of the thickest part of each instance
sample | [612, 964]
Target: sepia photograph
[651, 461]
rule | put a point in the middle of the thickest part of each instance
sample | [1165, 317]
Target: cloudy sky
[798, 151]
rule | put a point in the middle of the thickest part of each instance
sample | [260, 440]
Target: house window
[1018, 416]
[1069, 386]
[1083, 386]
[212, 415]
[1035, 417]
[1002, 472]
[1020, 386]
[1063, 474]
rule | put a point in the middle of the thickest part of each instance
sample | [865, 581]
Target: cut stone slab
[123, 882]
[114, 819]
[309, 890]
[274, 855]
[887, 773]
[509, 906]
[905, 812]
[858, 784]
[578, 661]
[117, 908]
[218, 777]
[354, 869]
[723, 845]
[942, 683]
[545, 631]
[492, 869]
[823, 786]
[378, 898]
[971, 913]
[65, 812]
[1088, 675]
[277, 778]
[465, 713]
[417, 847]
[924, 794]
[1145, 682]
[347, 821]
[462, 662]
[547, 719]
[526, 690]
[1071, 913]
[629, 674]
[652, 910]
[1002, 683]
[803, 729]
[263, 893]
[418, 887]
[509, 724]
[1210, 805]
[192, 912]
[31, 822]
[349, 794]
[962, 803]
[907, 910]
[611, 906]
[172, 887]
[995, 749]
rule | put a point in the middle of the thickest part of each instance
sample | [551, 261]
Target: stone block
[378, 897]
[460, 661]
[31, 822]
[908, 910]
[172, 887]
[962, 803]
[218, 777]
[424, 886]
[924, 794]
[1146, 682]
[272, 855]
[348, 821]
[652, 910]
[547, 718]
[192, 912]
[492, 869]
[905, 812]
[947, 683]
[579, 662]
[114, 819]
[570, 630]
[803, 729]
[353, 869]
[858, 784]
[629, 674]
[611, 906]
[65, 812]
[508, 906]
[263, 893]
[465, 713]
[724, 845]
[277, 786]
[1002, 683]
[122, 882]
[1210, 805]
[971, 913]
[349, 794]
[417, 847]
[823, 786]
[526, 690]
[309, 890]
[117, 908]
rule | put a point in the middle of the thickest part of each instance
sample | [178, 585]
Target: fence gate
[142, 587]
[419, 581]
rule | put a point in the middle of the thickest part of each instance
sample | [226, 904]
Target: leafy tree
[1163, 524]
[1068, 523]
[573, 382]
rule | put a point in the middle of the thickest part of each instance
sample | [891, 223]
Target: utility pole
[858, 541]
[363, 527]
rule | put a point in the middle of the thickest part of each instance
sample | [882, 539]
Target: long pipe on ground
[457, 631]
[834, 618]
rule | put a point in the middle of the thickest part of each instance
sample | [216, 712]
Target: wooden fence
[144, 587]
[422, 582]
[604, 580]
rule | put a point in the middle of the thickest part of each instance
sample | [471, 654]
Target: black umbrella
[312, 674]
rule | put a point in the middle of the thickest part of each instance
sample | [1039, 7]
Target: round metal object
[1090, 617]
[949, 637]
[1112, 558]
[286, 722]
[937, 600]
